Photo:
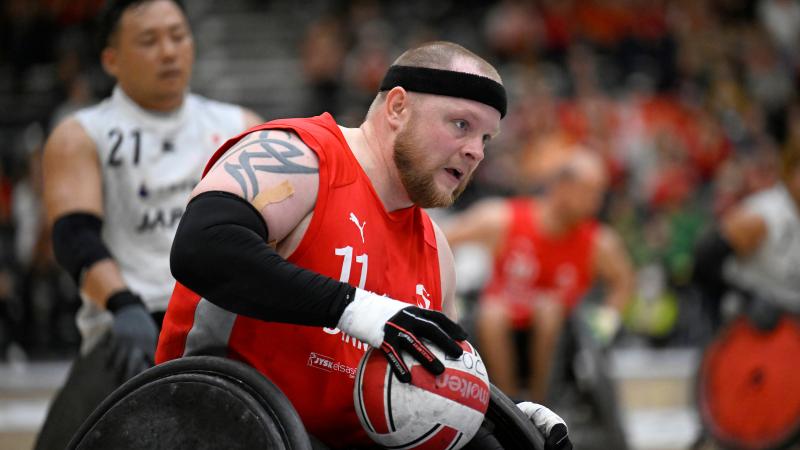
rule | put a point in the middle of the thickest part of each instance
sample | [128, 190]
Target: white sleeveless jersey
[774, 269]
[150, 164]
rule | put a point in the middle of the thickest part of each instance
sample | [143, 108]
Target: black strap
[121, 299]
[449, 83]
[77, 243]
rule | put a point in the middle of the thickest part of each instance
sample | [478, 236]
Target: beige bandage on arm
[274, 194]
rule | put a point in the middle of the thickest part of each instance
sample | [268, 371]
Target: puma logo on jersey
[424, 300]
[360, 226]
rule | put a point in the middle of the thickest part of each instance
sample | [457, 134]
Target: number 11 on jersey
[347, 263]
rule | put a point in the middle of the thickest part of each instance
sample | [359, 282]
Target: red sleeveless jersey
[351, 238]
[530, 263]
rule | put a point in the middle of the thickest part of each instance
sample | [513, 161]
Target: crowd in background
[689, 102]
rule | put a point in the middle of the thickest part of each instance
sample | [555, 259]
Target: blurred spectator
[367, 60]
[27, 35]
[48, 299]
[79, 95]
[766, 77]
[514, 29]
[9, 311]
[781, 19]
[323, 54]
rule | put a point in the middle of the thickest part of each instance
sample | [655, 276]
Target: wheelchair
[210, 402]
[580, 388]
[747, 387]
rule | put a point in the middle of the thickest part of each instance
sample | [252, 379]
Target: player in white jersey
[772, 267]
[149, 163]
[117, 177]
[757, 248]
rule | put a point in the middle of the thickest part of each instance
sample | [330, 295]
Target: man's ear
[397, 107]
[108, 58]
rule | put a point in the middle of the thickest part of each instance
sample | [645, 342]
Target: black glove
[558, 439]
[764, 313]
[394, 326]
[134, 335]
[403, 332]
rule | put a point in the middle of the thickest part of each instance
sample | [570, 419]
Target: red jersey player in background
[547, 252]
[305, 241]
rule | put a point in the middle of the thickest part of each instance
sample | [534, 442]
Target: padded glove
[394, 326]
[134, 335]
[604, 323]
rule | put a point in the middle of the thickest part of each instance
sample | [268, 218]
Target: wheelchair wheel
[510, 425]
[201, 402]
[747, 390]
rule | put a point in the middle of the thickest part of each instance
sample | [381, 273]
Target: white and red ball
[432, 412]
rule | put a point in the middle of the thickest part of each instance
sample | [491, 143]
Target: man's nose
[473, 150]
[168, 48]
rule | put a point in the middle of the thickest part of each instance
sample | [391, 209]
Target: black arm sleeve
[709, 258]
[220, 252]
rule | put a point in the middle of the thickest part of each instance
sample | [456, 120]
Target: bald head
[445, 55]
[586, 167]
[580, 185]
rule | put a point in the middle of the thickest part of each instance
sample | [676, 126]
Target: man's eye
[179, 34]
[461, 124]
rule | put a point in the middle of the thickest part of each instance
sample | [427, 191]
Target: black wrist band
[121, 299]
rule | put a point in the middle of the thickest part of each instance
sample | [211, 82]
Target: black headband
[448, 83]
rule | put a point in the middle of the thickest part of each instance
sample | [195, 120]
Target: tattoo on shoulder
[266, 153]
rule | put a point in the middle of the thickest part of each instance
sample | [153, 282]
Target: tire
[747, 391]
[201, 402]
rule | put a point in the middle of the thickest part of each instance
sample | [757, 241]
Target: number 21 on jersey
[117, 137]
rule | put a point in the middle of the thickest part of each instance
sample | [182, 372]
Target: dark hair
[112, 13]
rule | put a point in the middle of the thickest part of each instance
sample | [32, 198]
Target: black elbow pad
[77, 243]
